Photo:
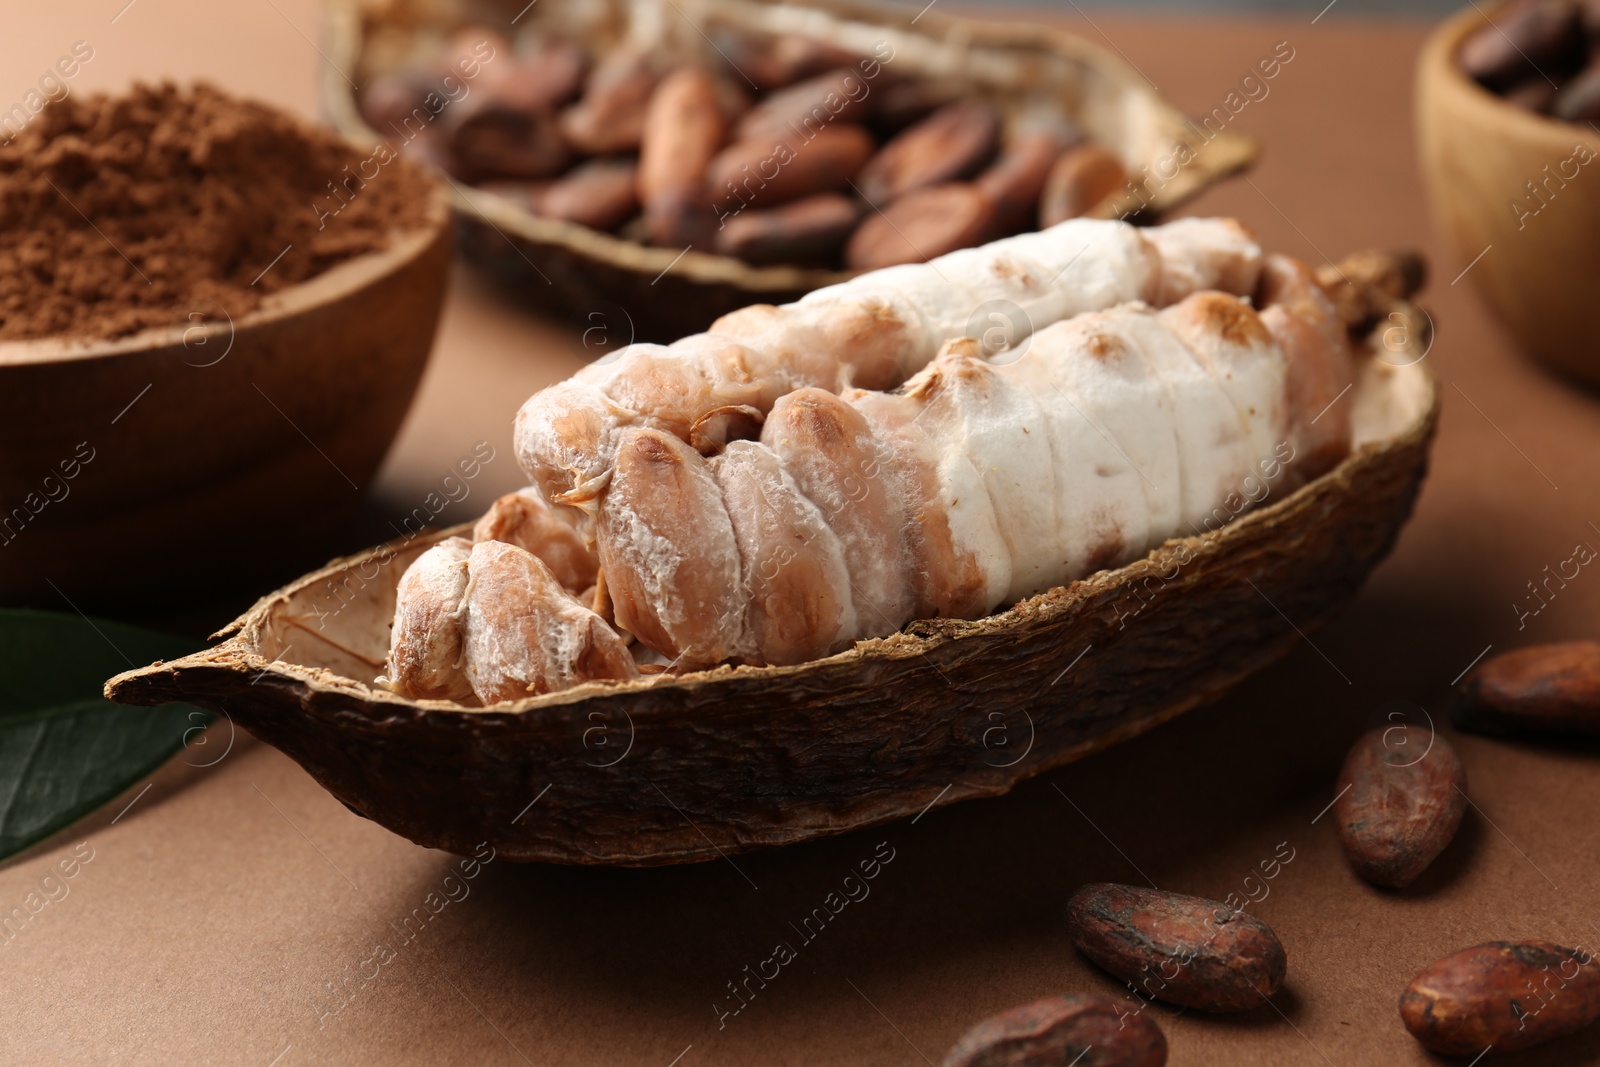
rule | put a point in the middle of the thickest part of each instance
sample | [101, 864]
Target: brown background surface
[222, 908]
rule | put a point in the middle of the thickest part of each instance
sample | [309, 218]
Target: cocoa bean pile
[1402, 795]
[1543, 55]
[783, 150]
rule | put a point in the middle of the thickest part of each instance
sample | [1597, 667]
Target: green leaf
[64, 749]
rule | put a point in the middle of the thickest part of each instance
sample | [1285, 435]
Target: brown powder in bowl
[119, 213]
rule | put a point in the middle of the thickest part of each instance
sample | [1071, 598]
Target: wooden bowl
[195, 452]
[683, 768]
[646, 293]
[1539, 263]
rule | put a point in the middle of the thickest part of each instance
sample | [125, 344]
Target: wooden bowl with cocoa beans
[1508, 98]
[641, 169]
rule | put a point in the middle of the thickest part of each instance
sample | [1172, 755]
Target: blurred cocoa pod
[1502, 996]
[610, 115]
[1082, 177]
[952, 143]
[801, 110]
[806, 232]
[920, 225]
[1542, 689]
[765, 173]
[1080, 1029]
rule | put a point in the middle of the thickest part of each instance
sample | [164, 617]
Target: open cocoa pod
[677, 768]
[1019, 71]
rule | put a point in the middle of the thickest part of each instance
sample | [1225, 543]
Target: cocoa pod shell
[952, 143]
[1525, 38]
[840, 95]
[1402, 796]
[601, 194]
[806, 231]
[921, 225]
[1184, 950]
[684, 127]
[767, 173]
[1540, 689]
[1082, 1029]
[1502, 995]
[610, 115]
[1081, 178]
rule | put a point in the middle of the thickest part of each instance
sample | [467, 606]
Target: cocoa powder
[123, 212]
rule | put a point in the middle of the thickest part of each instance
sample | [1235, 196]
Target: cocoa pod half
[949, 144]
[1402, 796]
[610, 115]
[768, 173]
[1502, 995]
[806, 232]
[601, 194]
[801, 110]
[1081, 178]
[1184, 950]
[1525, 38]
[1540, 689]
[921, 225]
[1085, 1030]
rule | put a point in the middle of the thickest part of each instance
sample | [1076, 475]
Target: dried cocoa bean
[838, 96]
[1184, 950]
[806, 232]
[920, 225]
[601, 194]
[494, 139]
[1081, 178]
[1542, 689]
[1085, 1030]
[684, 127]
[544, 75]
[949, 144]
[1579, 99]
[1529, 39]
[1503, 995]
[1535, 94]
[389, 99]
[1402, 795]
[1016, 180]
[897, 104]
[610, 115]
[774, 62]
[766, 173]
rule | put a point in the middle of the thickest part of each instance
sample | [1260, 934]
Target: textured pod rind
[1403, 796]
[1541, 689]
[1083, 1029]
[1502, 995]
[1185, 950]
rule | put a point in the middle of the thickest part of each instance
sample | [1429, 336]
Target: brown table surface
[228, 914]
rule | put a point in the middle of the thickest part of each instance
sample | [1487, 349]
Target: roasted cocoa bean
[1184, 950]
[1535, 94]
[1016, 180]
[767, 173]
[807, 232]
[1402, 795]
[389, 99]
[1082, 177]
[543, 75]
[601, 194]
[1533, 38]
[897, 104]
[610, 116]
[684, 127]
[1541, 689]
[802, 110]
[492, 139]
[1503, 995]
[1085, 1030]
[949, 144]
[921, 225]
